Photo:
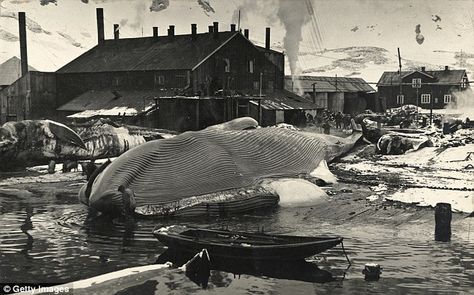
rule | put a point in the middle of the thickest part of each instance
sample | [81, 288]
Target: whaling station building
[337, 94]
[177, 82]
[427, 89]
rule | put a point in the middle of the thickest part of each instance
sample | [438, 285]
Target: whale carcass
[34, 142]
[199, 167]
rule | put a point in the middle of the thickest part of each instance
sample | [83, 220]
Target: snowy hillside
[362, 43]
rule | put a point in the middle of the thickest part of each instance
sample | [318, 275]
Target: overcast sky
[421, 28]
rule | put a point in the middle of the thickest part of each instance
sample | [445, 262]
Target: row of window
[425, 98]
[416, 83]
[250, 65]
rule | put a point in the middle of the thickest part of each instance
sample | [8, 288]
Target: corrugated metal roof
[284, 100]
[111, 103]
[329, 84]
[10, 71]
[441, 76]
[149, 53]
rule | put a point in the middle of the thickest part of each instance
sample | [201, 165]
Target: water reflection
[25, 227]
[50, 237]
[299, 270]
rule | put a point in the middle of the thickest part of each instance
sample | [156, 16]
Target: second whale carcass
[211, 171]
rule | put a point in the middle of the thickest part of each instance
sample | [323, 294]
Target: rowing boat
[241, 245]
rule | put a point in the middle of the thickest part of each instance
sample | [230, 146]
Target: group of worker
[324, 119]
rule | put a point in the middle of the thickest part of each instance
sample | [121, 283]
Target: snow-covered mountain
[356, 38]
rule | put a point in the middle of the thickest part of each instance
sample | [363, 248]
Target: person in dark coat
[338, 117]
[128, 201]
[326, 127]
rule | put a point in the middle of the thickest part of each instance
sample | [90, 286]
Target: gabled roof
[329, 84]
[179, 52]
[440, 76]
[10, 71]
[420, 72]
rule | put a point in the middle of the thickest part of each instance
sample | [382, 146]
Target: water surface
[47, 236]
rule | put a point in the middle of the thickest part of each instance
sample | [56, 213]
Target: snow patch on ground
[460, 200]
[296, 192]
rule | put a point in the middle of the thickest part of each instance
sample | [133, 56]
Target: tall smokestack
[23, 47]
[246, 33]
[100, 25]
[193, 30]
[116, 32]
[232, 27]
[171, 31]
[267, 38]
[216, 30]
[155, 32]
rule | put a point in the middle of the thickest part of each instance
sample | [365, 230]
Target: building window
[256, 85]
[400, 99]
[447, 98]
[464, 83]
[227, 65]
[251, 65]
[416, 82]
[116, 81]
[425, 98]
[270, 86]
[159, 80]
[11, 106]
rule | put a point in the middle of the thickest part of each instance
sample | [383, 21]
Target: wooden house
[427, 89]
[337, 94]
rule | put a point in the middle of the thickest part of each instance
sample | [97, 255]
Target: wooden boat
[240, 245]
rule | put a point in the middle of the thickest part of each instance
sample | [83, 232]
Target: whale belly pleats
[202, 162]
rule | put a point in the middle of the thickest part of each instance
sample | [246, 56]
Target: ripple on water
[57, 240]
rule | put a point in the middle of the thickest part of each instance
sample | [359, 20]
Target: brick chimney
[446, 68]
[193, 30]
[246, 33]
[171, 31]
[116, 32]
[423, 69]
[155, 32]
[216, 30]
[267, 38]
[232, 27]
[23, 45]
[211, 29]
[100, 25]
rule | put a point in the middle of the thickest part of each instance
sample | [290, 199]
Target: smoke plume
[463, 103]
[294, 15]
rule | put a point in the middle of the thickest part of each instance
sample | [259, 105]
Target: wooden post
[197, 114]
[372, 271]
[443, 218]
[260, 112]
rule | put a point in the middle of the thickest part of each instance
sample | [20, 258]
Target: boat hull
[294, 248]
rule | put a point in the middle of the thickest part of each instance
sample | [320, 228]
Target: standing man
[326, 127]
[338, 119]
[128, 201]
